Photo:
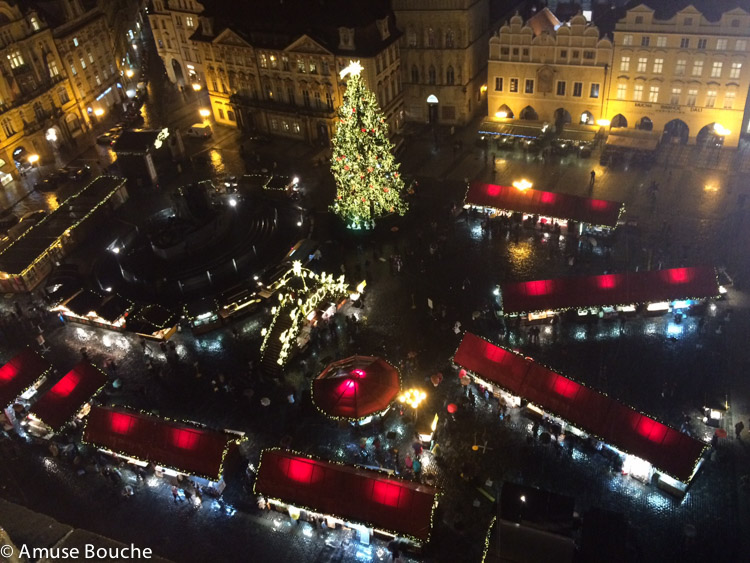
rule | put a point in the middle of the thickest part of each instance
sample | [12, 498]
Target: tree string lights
[368, 184]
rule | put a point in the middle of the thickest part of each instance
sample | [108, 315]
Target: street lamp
[197, 86]
[33, 159]
[603, 122]
[98, 112]
[720, 130]
[501, 114]
[412, 397]
[129, 73]
[522, 184]
[204, 113]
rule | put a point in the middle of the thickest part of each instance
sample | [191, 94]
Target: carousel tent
[183, 447]
[20, 374]
[356, 387]
[60, 404]
[621, 426]
[350, 493]
[547, 204]
[609, 289]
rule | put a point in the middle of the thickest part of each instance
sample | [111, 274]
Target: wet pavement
[664, 368]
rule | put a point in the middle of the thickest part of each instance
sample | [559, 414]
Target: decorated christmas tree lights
[368, 183]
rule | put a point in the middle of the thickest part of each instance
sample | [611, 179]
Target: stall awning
[529, 129]
[593, 412]
[634, 140]
[61, 403]
[548, 204]
[351, 493]
[183, 447]
[20, 374]
[609, 290]
[570, 133]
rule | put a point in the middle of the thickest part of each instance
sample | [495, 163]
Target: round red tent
[356, 387]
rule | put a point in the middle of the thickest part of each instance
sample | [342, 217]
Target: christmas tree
[368, 184]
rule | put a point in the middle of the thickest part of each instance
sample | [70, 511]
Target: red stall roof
[548, 204]
[350, 493]
[621, 426]
[19, 374]
[183, 447]
[609, 289]
[60, 404]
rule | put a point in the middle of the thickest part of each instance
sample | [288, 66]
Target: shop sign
[693, 108]
[642, 105]
[670, 108]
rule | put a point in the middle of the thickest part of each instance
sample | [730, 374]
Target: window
[702, 43]
[638, 19]
[324, 69]
[15, 58]
[34, 23]
[73, 70]
[560, 87]
[63, 95]
[679, 68]
[415, 75]
[318, 103]
[576, 53]
[411, 38]
[729, 100]
[98, 80]
[622, 90]
[515, 51]
[675, 99]
[190, 23]
[653, 94]
[721, 44]
[215, 87]
[450, 77]
[658, 65]
[740, 45]
[290, 96]
[692, 95]
[230, 115]
[431, 75]
[685, 43]
[525, 52]
[221, 113]
[687, 21]
[710, 98]
[274, 61]
[8, 128]
[83, 64]
[329, 101]
[563, 53]
[285, 63]
[263, 60]
[75, 42]
[498, 84]
[52, 64]
[661, 41]
[449, 38]
[91, 57]
[734, 72]
[642, 63]
[697, 68]
[589, 55]
[430, 37]
[285, 125]
[275, 124]
[161, 44]
[577, 89]
[735, 23]
[645, 40]
[513, 85]
[306, 98]
[296, 128]
[638, 92]
[301, 66]
[627, 39]
[505, 51]
[625, 64]
[716, 70]
[313, 67]
[594, 91]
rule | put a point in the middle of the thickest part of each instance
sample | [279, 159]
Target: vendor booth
[91, 308]
[368, 501]
[66, 401]
[203, 315]
[590, 215]
[19, 380]
[356, 388]
[648, 447]
[177, 450]
[153, 321]
[655, 292]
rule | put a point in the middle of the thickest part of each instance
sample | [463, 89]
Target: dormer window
[383, 28]
[34, 23]
[346, 38]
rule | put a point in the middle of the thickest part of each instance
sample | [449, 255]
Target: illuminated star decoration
[354, 69]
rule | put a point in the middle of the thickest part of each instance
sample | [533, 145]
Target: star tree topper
[354, 69]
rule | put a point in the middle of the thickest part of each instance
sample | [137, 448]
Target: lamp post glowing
[98, 112]
[33, 158]
[720, 130]
[603, 122]
[522, 184]
[501, 114]
[196, 86]
[204, 113]
[413, 398]
[129, 73]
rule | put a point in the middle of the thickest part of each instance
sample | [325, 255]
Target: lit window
[73, 69]
[729, 100]
[625, 64]
[645, 41]
[740, 45]
[627, 40]
[263, 60]
[296, 128]
[710, 98]
[702, 43]
[91, 57]
[691, 97]
[75, 42]
[52, 64]
[622, 90]
[274, 61]
[577, 89]
[697, 68]
[661, 41]
[34, 23]
[642, 63]
[594, 92]
[83, 64]
[653, 94]
[514, 84]
[716, 70]
[638, 92]
[658, 65]
[679, 68]
[721, 44]
[734, 72]
[98, 81]
[15, 58]
[189, 21]
[675, 99]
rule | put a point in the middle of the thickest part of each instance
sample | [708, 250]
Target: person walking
[593, 179]
[176, 494]
[738, 428]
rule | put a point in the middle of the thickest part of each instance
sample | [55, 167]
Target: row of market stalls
[593, 216]
[655, 292]
[527, 134]
[649, 449]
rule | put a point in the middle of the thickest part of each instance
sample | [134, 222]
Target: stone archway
[587, 118]
[562, 116]
[432, 109]
[618, 121]
[677, 131]
[645, 124]
[529, 113]
[504, 112]
[710, 136]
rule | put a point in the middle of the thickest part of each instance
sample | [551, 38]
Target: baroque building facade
[443, 58]
[280, 74]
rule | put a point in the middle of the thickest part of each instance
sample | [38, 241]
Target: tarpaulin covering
[593, 412]
[19, 374]
[609, 290]
[548, 204]
[356, 387]
[183, 447]
[349, 493]
[60, 404]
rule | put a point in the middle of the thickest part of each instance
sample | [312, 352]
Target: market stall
[648, 447]
[356, 388]
[369, 501]
[203, 315]
[19, 380]
[177, 450]
[66, 401]
[91, 308]
[589, 215]
[660, 291]
[153, 321]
